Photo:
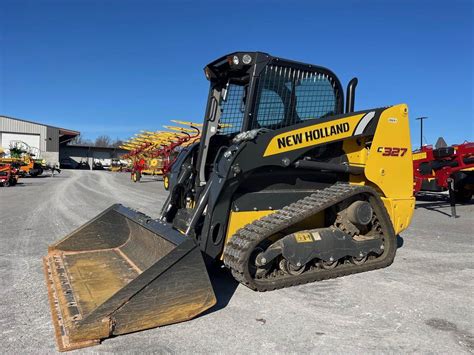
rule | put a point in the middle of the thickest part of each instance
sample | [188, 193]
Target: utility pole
[421, 130]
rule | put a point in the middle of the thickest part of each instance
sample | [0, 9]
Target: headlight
[246, 59]
[235, 60]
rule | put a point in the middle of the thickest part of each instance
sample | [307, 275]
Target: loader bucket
[122, 272]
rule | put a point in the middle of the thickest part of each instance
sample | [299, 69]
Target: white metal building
[46, 139]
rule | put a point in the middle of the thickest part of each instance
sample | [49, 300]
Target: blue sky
[115, 67]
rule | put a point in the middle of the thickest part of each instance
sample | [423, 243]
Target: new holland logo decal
[318, 134]
[315, 134]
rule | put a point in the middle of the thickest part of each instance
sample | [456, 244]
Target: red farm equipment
[155, 152]
[445, 169]
[9, 175]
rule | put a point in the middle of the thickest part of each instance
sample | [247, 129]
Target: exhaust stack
[350, 99]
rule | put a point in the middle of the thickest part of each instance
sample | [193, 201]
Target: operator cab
[253, 90]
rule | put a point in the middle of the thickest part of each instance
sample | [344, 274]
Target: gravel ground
[423, 303]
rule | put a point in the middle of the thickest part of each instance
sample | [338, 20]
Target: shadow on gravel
[434, 202]
[29, 184]
[463, 338]
[31, 178]
[224, 286]
[22, 184]
[435, 207]
[36, 177]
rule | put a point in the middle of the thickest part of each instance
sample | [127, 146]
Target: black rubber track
[238, 250]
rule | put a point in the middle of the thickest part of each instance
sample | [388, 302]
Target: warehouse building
[45, 139]
[53, 144]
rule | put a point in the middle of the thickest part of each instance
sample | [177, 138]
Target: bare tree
[117, 143]
[103, 141]
[100, 141]
[78, 140]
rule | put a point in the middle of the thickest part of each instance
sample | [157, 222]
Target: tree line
[100, 141]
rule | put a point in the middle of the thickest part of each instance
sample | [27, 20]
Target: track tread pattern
[238, 250]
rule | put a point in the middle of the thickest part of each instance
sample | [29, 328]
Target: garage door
[33, 140]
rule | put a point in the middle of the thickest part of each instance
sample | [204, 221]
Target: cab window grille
[232, 110]
[286, 96]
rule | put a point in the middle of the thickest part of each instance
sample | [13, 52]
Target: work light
[246, 59]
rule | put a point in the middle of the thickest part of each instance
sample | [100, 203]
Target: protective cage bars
[232, 115]
[286, 96]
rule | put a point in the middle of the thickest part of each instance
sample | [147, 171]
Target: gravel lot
[423, 303]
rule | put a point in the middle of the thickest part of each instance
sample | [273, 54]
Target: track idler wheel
[358, 260]
[328, 265]
[256, 268]
[290, 269]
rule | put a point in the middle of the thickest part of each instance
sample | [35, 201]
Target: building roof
[61, 130]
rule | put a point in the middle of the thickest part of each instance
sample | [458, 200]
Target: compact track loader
[285, 187]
